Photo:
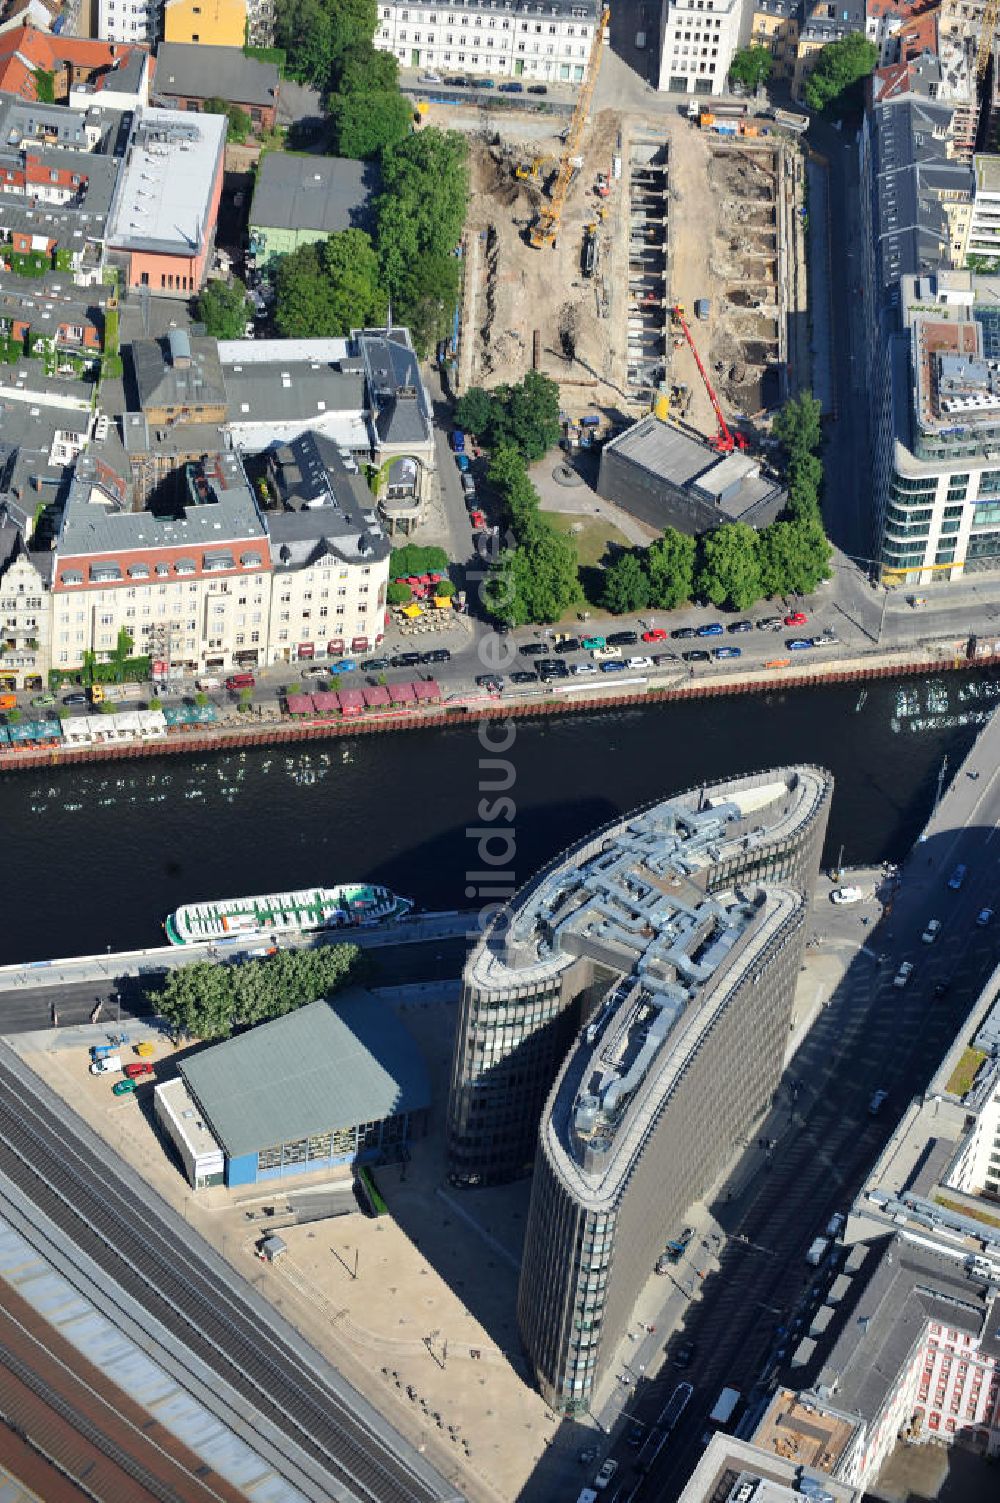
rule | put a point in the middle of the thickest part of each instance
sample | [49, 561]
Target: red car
[796, 619]
[655, 634]
[137, 1070]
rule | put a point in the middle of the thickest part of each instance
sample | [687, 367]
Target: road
[756, 1294]
[327, 1439]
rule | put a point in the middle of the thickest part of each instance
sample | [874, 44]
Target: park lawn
[594, 538]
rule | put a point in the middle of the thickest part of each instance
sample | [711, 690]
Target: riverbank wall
[243, 732]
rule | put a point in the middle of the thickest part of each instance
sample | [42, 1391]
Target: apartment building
[24, 606]
[983, 244]
[211, 23]
[774, 25]
[547, 40]
[699, 38]
[823, 21]
[139, 21]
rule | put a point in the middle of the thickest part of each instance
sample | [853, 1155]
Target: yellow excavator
[545, 230]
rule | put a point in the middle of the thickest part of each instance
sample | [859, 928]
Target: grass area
[963, 1209]
[596, 542]
[964, 1072]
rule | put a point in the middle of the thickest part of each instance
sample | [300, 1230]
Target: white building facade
[528, 39]
[699, 39]
[129, 20]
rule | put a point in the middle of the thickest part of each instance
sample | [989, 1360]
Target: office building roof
[179, 371]
[331, 1064]
[733, 483]
[312, 193]
[190, 70]
[164, 199]
[734, 1471]
[328, 507]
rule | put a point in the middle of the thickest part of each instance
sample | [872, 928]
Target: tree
[197, 1000]
[794, 557]
[155, 703]
[366, 124]
[305, 306]
[474, 410]
[224, 308]
[626, 586]
[398, 594]
[239, 124]
[835, 82]
[670, 562]
[368, 70]
[319, 36]
[200, 699]
[523, 417]
[351, 266]
[751, 67]
[798, 426]
[546, 567]
[729, 571]
[414, 559]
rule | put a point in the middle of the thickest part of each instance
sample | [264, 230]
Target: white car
[431, 78]
[640, 662]
[579, 668]
[932, 931]
[904, 973]
[606, 1473]
[847, 895]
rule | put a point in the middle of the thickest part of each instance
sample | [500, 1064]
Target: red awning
[325, 702]
[377, 698]
[402, 694]
[335, 647]
[307, 649]
[352, 701]
[300, 704]
[427, 691]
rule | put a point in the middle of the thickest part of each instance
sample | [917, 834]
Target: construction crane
[987, 27]
[546, 229]
[725, 441]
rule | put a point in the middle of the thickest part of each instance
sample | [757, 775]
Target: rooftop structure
[804, 1435]
[179, 378]
[734, 1471]
[604, 910]
[319, 1076]
[299, 200]
[190, 71]
[667, 478]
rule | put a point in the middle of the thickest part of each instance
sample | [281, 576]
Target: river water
[98, 856]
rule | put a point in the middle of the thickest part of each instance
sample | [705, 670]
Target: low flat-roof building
[189, 73]
[298, 200]
[335, 1082]
[734, 1471]
[162, 226]
[666, 478]
[202, 1159]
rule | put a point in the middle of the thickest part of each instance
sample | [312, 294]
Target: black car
[635, 1436]
[492, 681]
[660, 659]
[740, 626]
[375, 665]
[623, 639]
[537, 88]
[520, 677]
[512, 88]
[684, 1355]
[552, 668]
[682, 633]
[698, 656]
[457, 82]
[533, 650]
[436, 655]
[570, 644]
[406, 660]
[74, 699]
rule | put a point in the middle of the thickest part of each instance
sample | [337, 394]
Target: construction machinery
[588, 259]
[530, 171]
[725, 441]
[545, 231]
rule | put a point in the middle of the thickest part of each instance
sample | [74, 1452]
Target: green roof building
[333, 1083]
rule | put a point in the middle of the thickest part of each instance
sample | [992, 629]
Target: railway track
[51, 1161]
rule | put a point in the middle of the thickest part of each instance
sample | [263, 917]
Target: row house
[25, 599]
[548, 40]
[699, 39]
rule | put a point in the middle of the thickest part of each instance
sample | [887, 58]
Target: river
[96, 856]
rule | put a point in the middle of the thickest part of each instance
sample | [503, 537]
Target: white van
[204, 684]
[106, 1065]
[640, 40]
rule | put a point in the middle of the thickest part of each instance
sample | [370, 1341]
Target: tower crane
[546, 228]
[725, 441]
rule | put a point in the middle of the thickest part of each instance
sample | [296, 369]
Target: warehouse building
[333, 1083]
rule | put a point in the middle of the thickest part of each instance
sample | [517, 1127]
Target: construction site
[617, 252]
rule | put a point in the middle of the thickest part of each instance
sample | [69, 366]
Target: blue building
[333, 1083]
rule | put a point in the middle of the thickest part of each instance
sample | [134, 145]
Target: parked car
[655, 634]
[583, 668]
[602, 654]
[770, 623]
[436, 655]
[469, 487]
[593, 644]
[431, 78]
[903, 975]
[237, 681]
[406, 660]
[932, 931]
[43, 701]
[533, 650]
[636, 1436]
[661, 659]
[491, 681]
[639, 662]
[456, 81]
[697, 656]
[954, 881]
[537, 88]
[683, 633]
[740, 626]
[613, 667]
[798, 644]
[462, 460]
[512, 88]
[984, 917]
[521, 677]
[376, 665]
[796, 618]
[74, 699]
[606, 1473]
[711, 629]
[622, 638]
[123, 1088]
[727, 652]
[684, 1355]
[349, 665]
[552, 668]
[568, 644]
[137, 1069]
[316, 672]
[457, 440]
[846, 895]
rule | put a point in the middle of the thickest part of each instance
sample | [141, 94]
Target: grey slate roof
[312, 193]
[160, 383]
[188, 70]
[328, 1065]
[329, 507]
[395, 392]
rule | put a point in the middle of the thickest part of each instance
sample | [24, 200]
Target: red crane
[725, 441]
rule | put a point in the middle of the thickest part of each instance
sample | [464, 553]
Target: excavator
[725, 441]
[545, 230]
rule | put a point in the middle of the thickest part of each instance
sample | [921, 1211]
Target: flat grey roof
[190, 70]
[312, 193]
[732, 482]
[165, 187]
[328, 1065]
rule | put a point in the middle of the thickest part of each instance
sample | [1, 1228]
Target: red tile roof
[26, 50]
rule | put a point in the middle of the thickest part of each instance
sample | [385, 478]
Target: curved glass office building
[578, 933]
